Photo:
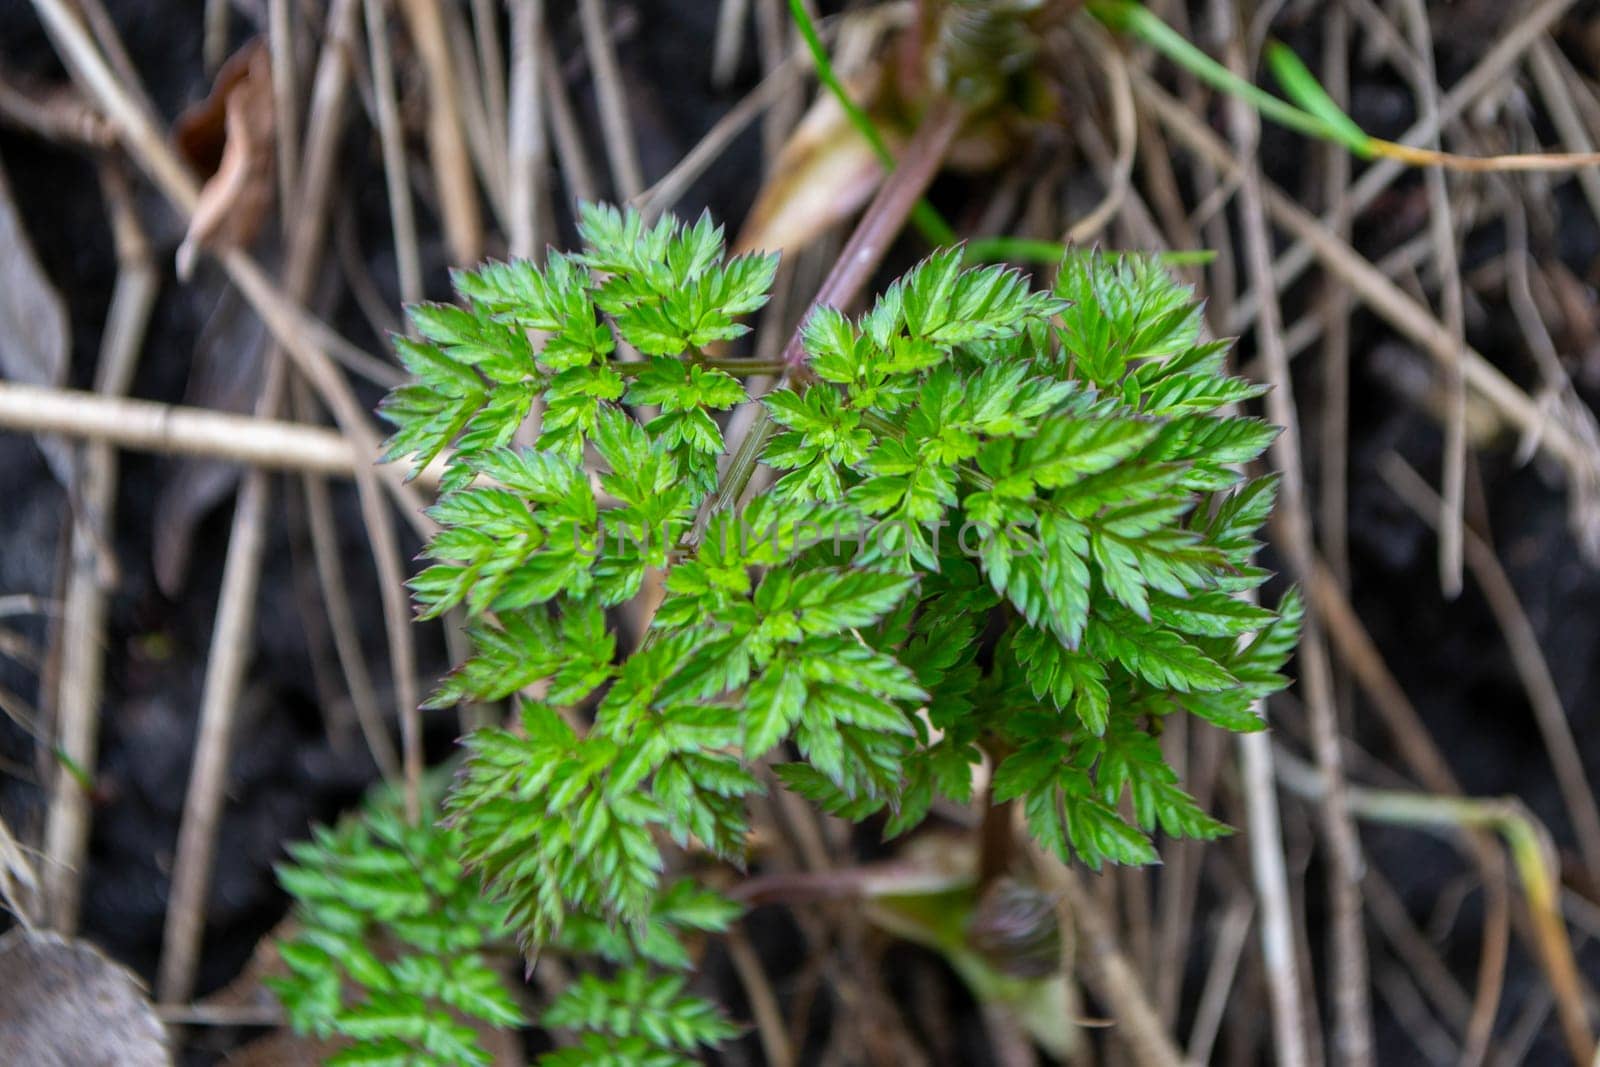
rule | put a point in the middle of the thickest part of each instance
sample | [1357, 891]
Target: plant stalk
[873, 235]
[885, 217]
[997, 840]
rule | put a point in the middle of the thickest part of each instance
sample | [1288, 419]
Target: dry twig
[1580, 460]
[147, 426]
[1440, 216]
[228, 657]
[1106, 968]
[83, 637]
[528, 150]
[622, 151]
[402, 216]
[452, 166]
[1353, 1024]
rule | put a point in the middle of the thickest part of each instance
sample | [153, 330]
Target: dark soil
[287, 771]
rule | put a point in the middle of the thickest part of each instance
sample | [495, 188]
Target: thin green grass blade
[1014, 250]
[1130, 17]
[1188, 257]
[1303, 88]
[1136, 20]
[84, 779]
[924, 216]
[819, 55]
[1049, 253]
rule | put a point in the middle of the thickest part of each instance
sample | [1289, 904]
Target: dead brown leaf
[228, 138]
[33, 322]
[66, 1005]
[827, 171]
[825, 174]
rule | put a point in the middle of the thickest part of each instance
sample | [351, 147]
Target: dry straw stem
[232, 633]
[1433, 976]
[306, 339]
[306, 251]
[1532, 855]
[1199, 756]
[1522, 640]
[1404, 933]
[323, 526]
[19, 885]
[1270, 877]
[485, 140]
[527, 155]
[170, 429]
[447, 147]
[287, 322]
[728, 46]
[1125, 125]
[1232, 934]
[764, 1006]
[1557, 390]
[302, 234]
[528, 150]
[776, 38]
[1557, 82]
[1352, 1007]
[1382, 295]
[332, 589]
[490, 69]
[621, 150]
[105, 35]
[777, 85]
[285, 92]
[203, 1014]
[1402, 996]
[577, 174]
[1106, 968]
[1521, 162]
[1360, 654]
[226, 663]
[1447, 263]
[1427, 766]
[391, 137]
[214, 41]
[1489, 75]
[83, 637]
[60, 118]
[1334, 315]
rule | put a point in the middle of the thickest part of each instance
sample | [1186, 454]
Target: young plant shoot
[989, 522]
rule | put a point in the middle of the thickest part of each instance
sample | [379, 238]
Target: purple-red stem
[884, 218]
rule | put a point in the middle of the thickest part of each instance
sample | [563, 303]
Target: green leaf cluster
[390, 951]
[635, 1019]
[1003, 523]
[394, 955]
[528, 332]
[1069, 466]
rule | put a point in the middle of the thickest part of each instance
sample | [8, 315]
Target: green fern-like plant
[987, 520]
[394, 956]
[389, 957]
